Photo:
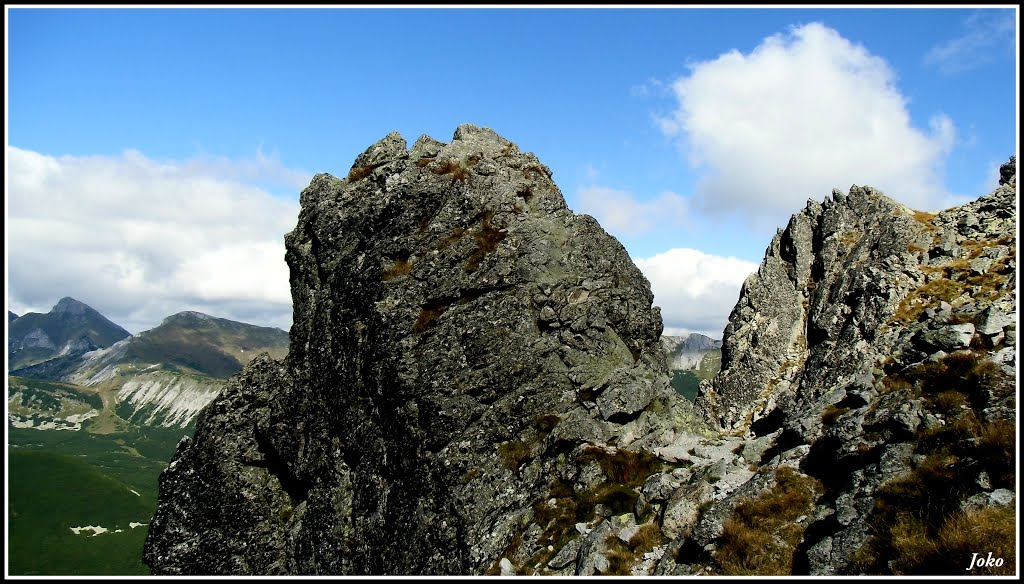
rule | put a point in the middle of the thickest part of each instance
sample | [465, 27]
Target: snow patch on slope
[169, 399]
[72, 422]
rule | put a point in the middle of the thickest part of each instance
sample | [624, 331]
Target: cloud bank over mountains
[140, 239]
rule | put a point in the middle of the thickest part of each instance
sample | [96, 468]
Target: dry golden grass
[988, 529]
[918, 522]
[949, 402]
[761, 535]
[924, 217]
[646, 538]
[849, 238]
[430, 312]
[487, 240]
[831, 413]
[546, 423]
[398, 268]
[513, 453]
[458, 172]
[623, 556]
[361, 172]
[623, 466]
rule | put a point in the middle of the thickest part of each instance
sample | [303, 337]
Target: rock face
[468, 358]
[873, 351]
[841, 287]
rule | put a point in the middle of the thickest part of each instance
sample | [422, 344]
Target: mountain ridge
[162, 376]
[69, 329]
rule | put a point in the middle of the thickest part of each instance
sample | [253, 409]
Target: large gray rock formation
[468, 359]
[873, 354]
[476, 385]
[839, 288]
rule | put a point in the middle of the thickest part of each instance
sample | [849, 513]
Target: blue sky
[157, 154]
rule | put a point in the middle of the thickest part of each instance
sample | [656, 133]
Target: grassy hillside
[60, 479]
[134, 458]
[686, 382]
[52, 396]
[50, 493]
[204, 344]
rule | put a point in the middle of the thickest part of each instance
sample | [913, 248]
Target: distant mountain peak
[69, 305]
[68, 330]
[188, 315]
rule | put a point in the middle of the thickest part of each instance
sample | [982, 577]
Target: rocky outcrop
[842, 286]
[476, 385]
[474, 369]
[874, 354]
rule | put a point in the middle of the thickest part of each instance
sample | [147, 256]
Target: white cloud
[621, 213]
[801, 114]
[987, 34]
[139, 239]
[696, 291]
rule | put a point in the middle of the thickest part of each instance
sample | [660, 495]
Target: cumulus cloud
[988, 33]
[139, 239]
[802, 113]
[696, 291]
[621, 213]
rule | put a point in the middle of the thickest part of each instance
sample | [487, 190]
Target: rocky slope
[476, 385]
[873, 354]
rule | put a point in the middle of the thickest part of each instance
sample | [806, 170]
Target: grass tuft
[400, 267]
[623, 466]
[455, 169]
[487, 240]
[761, 535]
[514, 453]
